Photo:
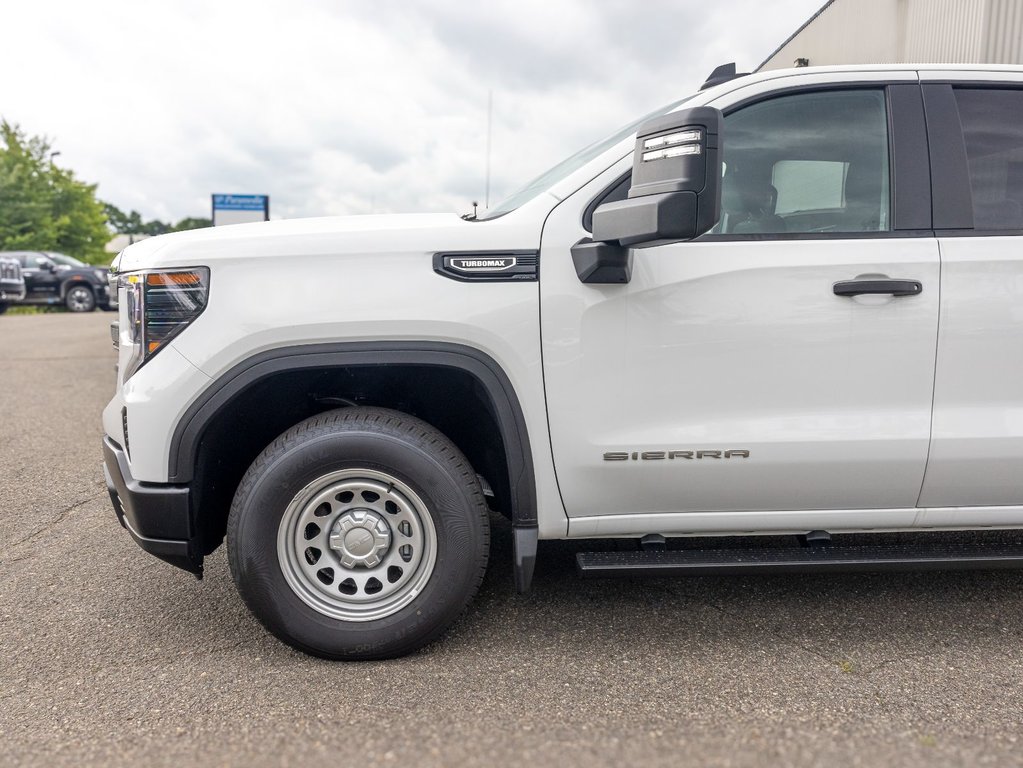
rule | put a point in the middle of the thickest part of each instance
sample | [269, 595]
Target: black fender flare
[188, 431]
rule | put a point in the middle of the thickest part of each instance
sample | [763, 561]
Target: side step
[905, 557]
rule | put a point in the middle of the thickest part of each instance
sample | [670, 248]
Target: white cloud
[335, 108]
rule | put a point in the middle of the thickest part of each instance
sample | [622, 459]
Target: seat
[863, 192]
[750, 206]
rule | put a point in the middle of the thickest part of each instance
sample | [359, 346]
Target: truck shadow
[874, 618]
[865, 620]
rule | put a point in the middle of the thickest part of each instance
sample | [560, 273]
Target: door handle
[878, 286]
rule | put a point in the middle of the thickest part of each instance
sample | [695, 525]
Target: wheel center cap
[360, 537]
[359, 542]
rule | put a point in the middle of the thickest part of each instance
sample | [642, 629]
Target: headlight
[100, 275]
[159, 305]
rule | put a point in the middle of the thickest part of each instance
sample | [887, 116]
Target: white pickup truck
[789, 305]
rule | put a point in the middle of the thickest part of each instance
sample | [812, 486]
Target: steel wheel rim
[357, 545]
[79, 298]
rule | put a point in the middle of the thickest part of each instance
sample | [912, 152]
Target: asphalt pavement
[111, 657]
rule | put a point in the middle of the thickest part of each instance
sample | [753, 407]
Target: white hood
[293, 237]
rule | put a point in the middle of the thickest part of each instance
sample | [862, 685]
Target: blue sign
[241, 203]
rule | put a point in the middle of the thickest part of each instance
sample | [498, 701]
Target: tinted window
[809, 162]
[569, 166]
[67, 261]
[993, 128]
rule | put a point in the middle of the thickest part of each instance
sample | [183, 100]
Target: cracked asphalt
[111, 657]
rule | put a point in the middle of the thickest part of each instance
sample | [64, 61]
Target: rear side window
[992, 121]
[807, 163]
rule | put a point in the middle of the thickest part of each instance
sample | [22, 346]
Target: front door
[41, 282]
[728, 375]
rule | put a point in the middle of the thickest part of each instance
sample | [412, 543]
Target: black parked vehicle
[54, 278]
[12, 284]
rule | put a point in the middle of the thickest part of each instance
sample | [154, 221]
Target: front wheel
[80, 298]
[359, 534]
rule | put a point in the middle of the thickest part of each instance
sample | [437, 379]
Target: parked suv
[721, 321]
[55, 278]
[12, 284]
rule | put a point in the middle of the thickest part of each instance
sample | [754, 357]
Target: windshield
[566, 167]
[67, 261]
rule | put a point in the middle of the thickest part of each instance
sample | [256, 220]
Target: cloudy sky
[340, 107]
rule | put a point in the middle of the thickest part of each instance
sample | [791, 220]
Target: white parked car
[788, 305]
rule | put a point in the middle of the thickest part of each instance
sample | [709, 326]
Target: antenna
[722, 74]
[490, 114]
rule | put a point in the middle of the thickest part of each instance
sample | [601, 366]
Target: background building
[906, 31]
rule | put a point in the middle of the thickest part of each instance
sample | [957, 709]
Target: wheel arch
[74, 282]
[186, 440]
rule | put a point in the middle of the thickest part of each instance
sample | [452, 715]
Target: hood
[294, 237]
[90, 269]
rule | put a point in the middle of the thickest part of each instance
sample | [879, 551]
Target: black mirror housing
[661, 217]
[676, 182]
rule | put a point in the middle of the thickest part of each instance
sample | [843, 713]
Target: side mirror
[47, 265]
[675, 194]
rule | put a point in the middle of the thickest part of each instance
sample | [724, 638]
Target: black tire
[80, 298]
[354, 440]
[3, 308]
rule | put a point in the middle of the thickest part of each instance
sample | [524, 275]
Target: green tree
[124, 223]
[192, 222]
[132, 223]
[44, 207]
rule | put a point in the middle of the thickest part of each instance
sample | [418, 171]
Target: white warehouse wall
[908, 31]
[844, 32]
[1004, 32]
[944, 31]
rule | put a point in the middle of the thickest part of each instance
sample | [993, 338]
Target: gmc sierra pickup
[789, 305]
[57, 279]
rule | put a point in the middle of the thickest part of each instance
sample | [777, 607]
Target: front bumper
[158, 516]
[11, 291]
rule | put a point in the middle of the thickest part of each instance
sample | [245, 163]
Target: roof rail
[721, 74]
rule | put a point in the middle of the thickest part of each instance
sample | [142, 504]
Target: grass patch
[33, 310]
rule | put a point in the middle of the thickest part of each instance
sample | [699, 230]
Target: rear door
[728, 375]
[976, 142]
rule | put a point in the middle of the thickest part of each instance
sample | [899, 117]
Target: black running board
[917, 557]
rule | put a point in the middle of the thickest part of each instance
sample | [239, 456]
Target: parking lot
[112, 657]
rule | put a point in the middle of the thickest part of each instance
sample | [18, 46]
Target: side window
[809, 162]
[992, 123]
